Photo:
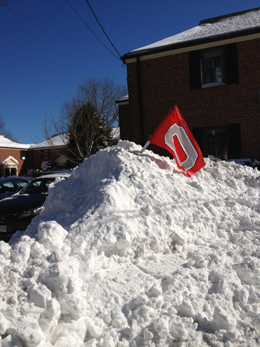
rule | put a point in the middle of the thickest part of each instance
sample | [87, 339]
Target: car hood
[19, 203]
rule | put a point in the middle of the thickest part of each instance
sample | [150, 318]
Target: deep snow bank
[130, 252]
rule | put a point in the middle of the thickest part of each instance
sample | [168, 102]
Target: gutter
[191, 43]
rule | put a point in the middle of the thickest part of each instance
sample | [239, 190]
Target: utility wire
[102, 28]
[92, 30]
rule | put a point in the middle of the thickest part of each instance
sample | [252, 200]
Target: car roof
[55, 175]
[15, 178]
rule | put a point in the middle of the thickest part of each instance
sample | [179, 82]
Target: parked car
[11, 185]
[17, 211]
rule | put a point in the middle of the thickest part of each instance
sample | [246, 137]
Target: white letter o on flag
[186, 144]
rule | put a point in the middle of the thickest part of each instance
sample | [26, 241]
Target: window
[215, 140]
[222, 142]
[7, 186]
[37, 186]
[214, 66]
[21, 184]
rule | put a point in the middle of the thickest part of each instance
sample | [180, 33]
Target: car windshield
[37, 186]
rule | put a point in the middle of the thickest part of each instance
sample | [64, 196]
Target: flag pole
[145, 146]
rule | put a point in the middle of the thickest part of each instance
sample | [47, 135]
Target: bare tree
[101, 94]
[4, 131]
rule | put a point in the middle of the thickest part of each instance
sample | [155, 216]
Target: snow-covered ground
[131, 252]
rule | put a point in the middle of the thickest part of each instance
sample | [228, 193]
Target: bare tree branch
[3, 131]
[101, 94]
[88, 133]
[6, 4]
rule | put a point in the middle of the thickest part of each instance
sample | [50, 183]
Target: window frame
[231, 72]
[216, 53]
[233, 140]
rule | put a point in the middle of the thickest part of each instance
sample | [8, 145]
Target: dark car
[17, 211]
[11, 185]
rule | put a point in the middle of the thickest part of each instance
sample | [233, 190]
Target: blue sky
[47, 51]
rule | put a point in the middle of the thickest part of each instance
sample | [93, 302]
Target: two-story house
[212, 73]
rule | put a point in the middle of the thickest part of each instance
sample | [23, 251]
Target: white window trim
[213, 84]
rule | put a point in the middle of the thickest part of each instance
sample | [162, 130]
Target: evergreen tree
[88, 133]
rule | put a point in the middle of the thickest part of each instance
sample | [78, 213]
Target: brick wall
[165, 82]
[33, 158]
[124, 119]
[7, 152]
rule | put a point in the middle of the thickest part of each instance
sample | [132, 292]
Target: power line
[68, 2]
[102, 28]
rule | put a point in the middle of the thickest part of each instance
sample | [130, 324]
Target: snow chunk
[128, 251]
[51, 235]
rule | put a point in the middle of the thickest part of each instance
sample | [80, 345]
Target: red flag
[174, 135]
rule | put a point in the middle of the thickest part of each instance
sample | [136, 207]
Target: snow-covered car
[17, 211]
[11, 185]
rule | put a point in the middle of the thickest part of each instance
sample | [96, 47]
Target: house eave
[192, 45]
[20, 148]
[125, 102]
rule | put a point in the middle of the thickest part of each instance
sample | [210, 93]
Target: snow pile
[130, 252]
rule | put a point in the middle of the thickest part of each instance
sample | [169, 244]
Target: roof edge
[124, 99]
[190, 43]
[217, 19]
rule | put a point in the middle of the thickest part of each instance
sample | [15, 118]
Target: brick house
[22, 159]
[212, 73]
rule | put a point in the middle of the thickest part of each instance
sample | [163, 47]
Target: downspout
[32, 152]
[139, 87]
